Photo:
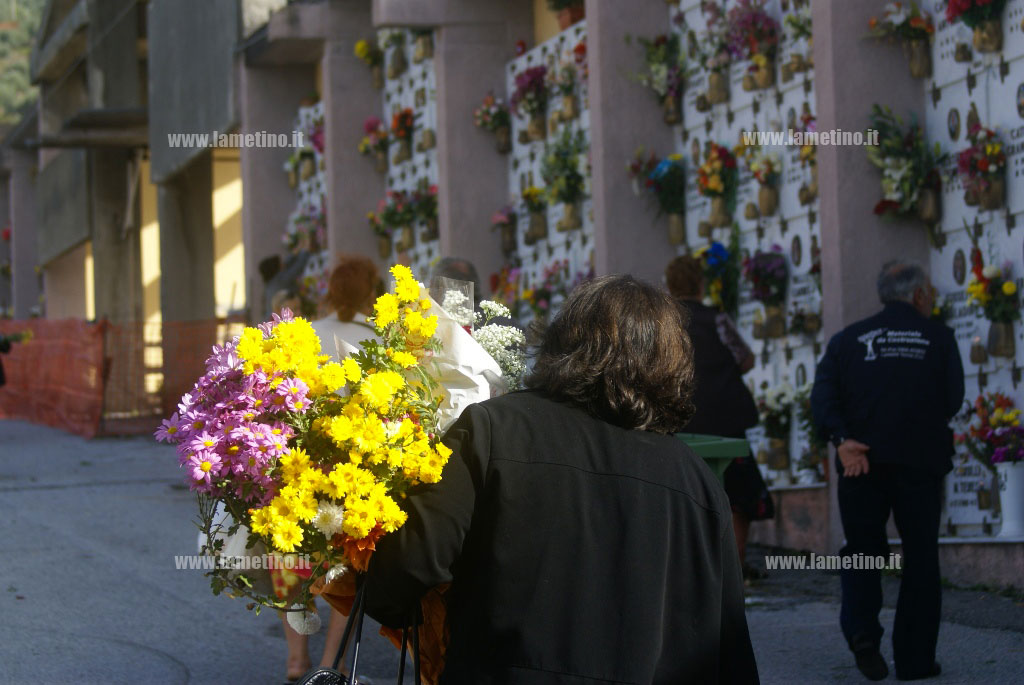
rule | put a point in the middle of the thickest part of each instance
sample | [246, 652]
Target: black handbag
[332, 676]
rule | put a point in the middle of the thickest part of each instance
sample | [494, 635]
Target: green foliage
[19, 23]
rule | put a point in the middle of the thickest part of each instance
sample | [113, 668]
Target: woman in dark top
[584, 543]
[724, 405]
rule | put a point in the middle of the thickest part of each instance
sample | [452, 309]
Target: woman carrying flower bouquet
[584, 543]
[724, 405]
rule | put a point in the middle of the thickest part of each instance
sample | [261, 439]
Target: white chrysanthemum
[335, 572]
[303, 622]
[329, 518]
[991, 271]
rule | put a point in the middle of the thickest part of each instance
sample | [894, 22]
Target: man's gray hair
[898, 281]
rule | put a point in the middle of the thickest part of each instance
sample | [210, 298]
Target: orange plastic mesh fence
[56, 378]
[121, 378]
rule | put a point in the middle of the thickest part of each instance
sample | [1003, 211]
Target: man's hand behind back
[854, 457]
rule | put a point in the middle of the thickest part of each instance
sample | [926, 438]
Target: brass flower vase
[767, 199]
[671, 112]
[676, 229]
[503, 139]
[919, 55]
[571, 219]
[988, 36]
[992, 194]
[1001, 342]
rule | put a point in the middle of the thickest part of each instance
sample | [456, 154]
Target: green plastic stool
[716, 451]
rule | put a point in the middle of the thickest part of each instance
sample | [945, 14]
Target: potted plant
[665, 74]
[754, 35]
[423, 45]
[992, 289]
[766, 169]
[424, 202]
[911, 182]
[375, 142]
[560, 171]
[504, 220]
[909, 25]
[984, 16]
[569, 12]
[398, 63]
[717, 178]
[721, 268]
[373, 57]
[402, 126]
[995, 438]
[492, 115]
[768, 275]
[530, 98]
[536, 205]
[982, 169]
[563, 82]
[775, 407]
[665, 179]
[714, 56]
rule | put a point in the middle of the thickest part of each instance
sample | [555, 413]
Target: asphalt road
[91, 594]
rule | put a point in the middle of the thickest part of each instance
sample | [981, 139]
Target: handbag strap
[355, 621]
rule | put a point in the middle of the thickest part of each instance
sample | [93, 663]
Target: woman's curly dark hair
[619, 350]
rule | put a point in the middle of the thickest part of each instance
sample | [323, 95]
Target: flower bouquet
[492, 115]
[504, 220]
[530, 98]
[424, 203]
[402, 125]
[714, 55]
[911, 182]
[375, 142]
[768, 276]
[717, 178]
[775, 407]
[665, 179]
[395, 212]
[505, 344]
[808, 158]
[536, 205]
[984, 16]
[398, 63]
[754, 35]
[552, 284]
[665, 74]
[505, 286]
[798, 24]
[265, 436]
[996, 439]
[911, 26]
[982, 169]
[563, 82]
[721, 272]
[991, 289]
[373, 57]
[560, 170]
[766, 168]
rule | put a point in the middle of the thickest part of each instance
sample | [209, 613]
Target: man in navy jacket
[884, 394]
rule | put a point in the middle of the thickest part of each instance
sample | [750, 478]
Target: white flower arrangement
[504, 343]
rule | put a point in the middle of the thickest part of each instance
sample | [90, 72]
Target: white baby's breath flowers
[329, 518]
[458, 306]
[505, 344]
[303, 622]
[494, 310]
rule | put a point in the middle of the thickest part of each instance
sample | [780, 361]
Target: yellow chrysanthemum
[287, 536]
[385, 310]
[1009, 287]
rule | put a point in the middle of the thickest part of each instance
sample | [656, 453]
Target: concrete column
[22, 188]
[185, 210]
[622, 117]
[353, 187]
[473, 179]
[269, 99]
[115, 249]
[851, 74]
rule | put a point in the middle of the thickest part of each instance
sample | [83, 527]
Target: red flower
[983, 164]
